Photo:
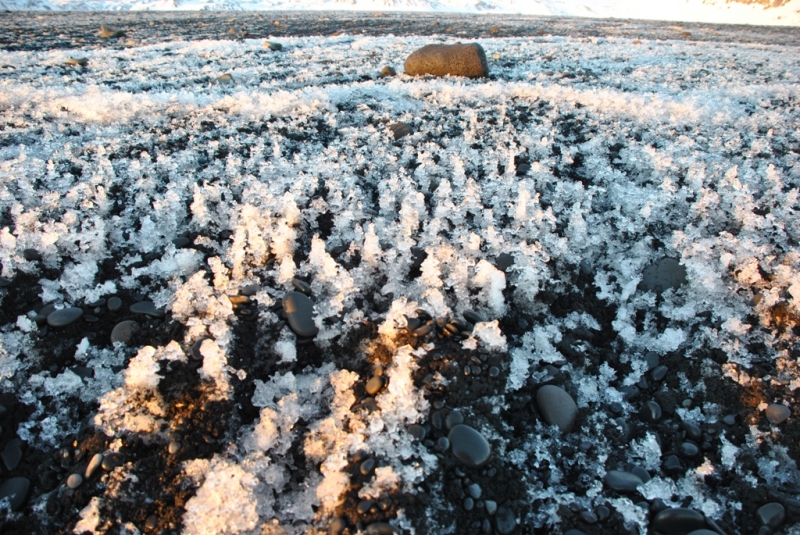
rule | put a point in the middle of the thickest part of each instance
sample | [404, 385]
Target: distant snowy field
[757, 12]
[585, 160]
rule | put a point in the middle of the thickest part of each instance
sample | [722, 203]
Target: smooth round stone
[678, 520]
[12, 454]
[673, 465]
[74, 481]
[504, 261]
[557, 407]
[180, 243]
[703, 532]
[494, 371]
[174, 447]
[469, 504]
[772, 515]
[375, 385]
[602, 512]
[400, 130]
[473, 317]
[250, 290]
[729, 419]
[416, 431]
[272, 45]
[659, 372]
[147, 308]
[364, 506]
[388, 71]
[31, 255]
[110, 462]
[115, 304]
[650, 412]
[367, 467]
[688, 450]
[443, 444]
[302, 286]
[123, 331]
[16, 491]
[94, 465]
[662, 275]
[777, 413]
[505, 520]
[622, 481]
[299, 311]
[453, 418]
[491, 507]
[224, 79]
[469, 446]
[475, 491]
[64, 317]
[693, 432]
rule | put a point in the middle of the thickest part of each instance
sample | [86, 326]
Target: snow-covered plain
[585, 159]
[758, 12]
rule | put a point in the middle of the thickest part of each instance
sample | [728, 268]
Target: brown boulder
[440, 60]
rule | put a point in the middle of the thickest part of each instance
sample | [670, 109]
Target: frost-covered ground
[544, 199]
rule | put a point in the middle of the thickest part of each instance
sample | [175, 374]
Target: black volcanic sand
[60, 30]
[154, 503]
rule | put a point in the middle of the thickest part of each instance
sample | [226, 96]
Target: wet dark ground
[45, 30]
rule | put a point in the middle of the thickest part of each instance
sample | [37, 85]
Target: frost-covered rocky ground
[620, 210]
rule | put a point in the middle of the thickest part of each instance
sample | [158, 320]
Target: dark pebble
[423, 331]
[469, 446]
[772, 515]
[64, 317]
[641, 473]
[115, 304]
[302, 286]
[505, 521]
[12, 454]
[693, 432]
[147, 308]
[673, 465]
[602, 512]
[31, 255]
[74, 481]
[688, 450]
[574, 531]
[110, 462]
[659, 373]
[412, 324]
[4, 282]
[443, 444]
[364, 506]
[180, 243]
[729, 419]
[299, 310]
[622, 481]
[504, 261]
[557, 407]
[400, 130]
[367, 467]
[90, 318]
[589, 517]
[652, 359]
[123, 331]
[678, 520]
[417, 431]
[16, 491]
[469, 504]
[662, 275]
[650, 412]
[473, 317]
[703, 532]
[453, 418]
[388, 71]
[94, 465]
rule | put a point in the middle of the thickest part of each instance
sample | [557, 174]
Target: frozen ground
[545, 198]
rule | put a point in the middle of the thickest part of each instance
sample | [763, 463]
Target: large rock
[440, 60]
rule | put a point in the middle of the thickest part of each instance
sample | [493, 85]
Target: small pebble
[337, 526]
[299, 310]
[272, 45]
[124, 331]
[110, 462]
[115, 304]
[94, 465]
[388, 71]
[469, 446]
[31, 255]
[74, 481]
[64, 317]
[729, 419]
[473, 317]
[491, 507]
[364, 506]
[180, 243]
[688, 450]
[659, 373]
[673, 465]
[469, 504]
[147, 308]
[174, 447]
[367, 467]
[622, 481]
[443, 444]
[453, 418]
[15, 490]
[475, 490]
[380, 528]
[678, 520]
[302, 286]
[772, 515]
[417, 431]
[650, 412]
[777, 413]
[375, 385]
[557, 407]
[12, 454]
[505, 521]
